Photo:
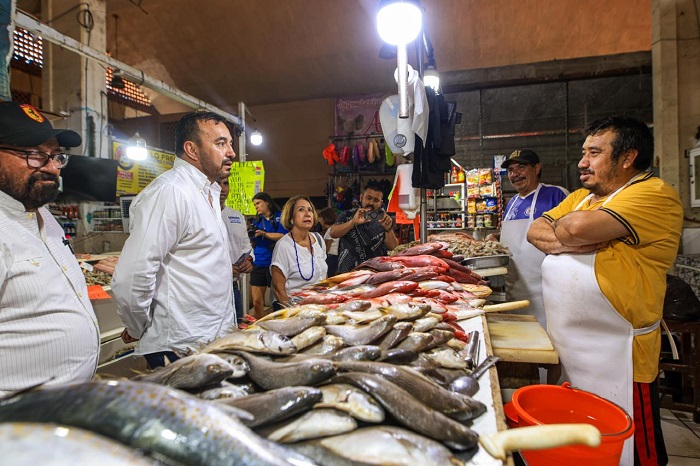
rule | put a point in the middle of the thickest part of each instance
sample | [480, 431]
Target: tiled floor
[682, 437]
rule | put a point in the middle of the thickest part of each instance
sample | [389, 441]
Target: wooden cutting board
[520, 338]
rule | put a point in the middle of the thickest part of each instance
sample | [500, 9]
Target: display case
[102, 217]
[446, 207]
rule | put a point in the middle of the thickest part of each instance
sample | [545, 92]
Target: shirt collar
[12, 205]
[199, 178]
[534, 189]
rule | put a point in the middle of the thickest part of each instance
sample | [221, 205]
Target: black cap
[22, 125]
[525, 156]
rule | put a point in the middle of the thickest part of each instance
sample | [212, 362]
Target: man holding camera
[364, 232]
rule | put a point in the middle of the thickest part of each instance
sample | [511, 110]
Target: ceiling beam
[134, 75]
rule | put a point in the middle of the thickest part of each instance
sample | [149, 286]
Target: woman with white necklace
[299, 258]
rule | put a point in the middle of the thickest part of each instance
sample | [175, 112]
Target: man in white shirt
[173, 281]
[240, 248]
[48, 329]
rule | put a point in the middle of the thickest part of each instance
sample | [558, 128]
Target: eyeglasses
[36, 159]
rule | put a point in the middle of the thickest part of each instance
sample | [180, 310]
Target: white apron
[593, 340]
[524, 278]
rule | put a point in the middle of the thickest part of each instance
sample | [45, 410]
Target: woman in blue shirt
[268, 229]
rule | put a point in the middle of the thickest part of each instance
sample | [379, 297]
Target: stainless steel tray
[486, 262]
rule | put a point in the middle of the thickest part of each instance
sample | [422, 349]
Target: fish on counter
[257, 341]
[379, 445]
[25, 444]
[313, 424]
[411, 413]
[276, 405]
[351, 400]
[165, 422]
[192, 371]
[270, 374]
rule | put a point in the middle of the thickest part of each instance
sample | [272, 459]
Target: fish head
[277, 343]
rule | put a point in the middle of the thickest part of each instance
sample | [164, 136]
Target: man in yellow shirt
[610, 245]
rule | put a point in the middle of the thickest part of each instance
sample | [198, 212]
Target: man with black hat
[48, 329]
[524, 279]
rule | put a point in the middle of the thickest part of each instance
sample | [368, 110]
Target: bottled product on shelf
[473, 204]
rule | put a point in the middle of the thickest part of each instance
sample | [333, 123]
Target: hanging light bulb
[256, 138]
[399, 21]
[137, 150]
[431, 78]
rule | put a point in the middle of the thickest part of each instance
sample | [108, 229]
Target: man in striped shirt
[48, 329]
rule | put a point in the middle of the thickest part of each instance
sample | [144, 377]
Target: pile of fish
[369, 367]
[461, 245]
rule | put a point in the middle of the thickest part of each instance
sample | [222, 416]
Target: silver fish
[257, 341]
[312, 424]
[440, 337]
[149, 417]
[198, 370]
[270, 375]
[355, 305]
[383, 445]
[457, 406]
[416, 342]
[240, 367]
[53, 445]
[445, 357]
[292, 326]
[398, 356]
[225, 390]
[410, 412]
[308, 337]
[426, 323]
[362, 334]
[395, 335]
[356, 353]
[362, 317]
[329, 344]
[406, 311]
[276, 405]
[351, 400]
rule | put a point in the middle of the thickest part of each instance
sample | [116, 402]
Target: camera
[374, 215]
[251, 233]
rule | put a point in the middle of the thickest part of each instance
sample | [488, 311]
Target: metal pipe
[48, 33]
[402, 66]
[244, 279]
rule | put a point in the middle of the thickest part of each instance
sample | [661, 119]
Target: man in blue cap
[48, 329]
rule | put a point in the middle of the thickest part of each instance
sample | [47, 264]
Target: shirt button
[65, 269]
[80, 295]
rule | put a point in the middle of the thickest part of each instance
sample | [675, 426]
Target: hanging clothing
[432, 157]
[524, 278]
[603, 347]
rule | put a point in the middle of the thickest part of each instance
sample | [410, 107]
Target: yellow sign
[133, 176]
[246, 180]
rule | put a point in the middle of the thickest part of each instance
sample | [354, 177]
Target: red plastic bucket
[552, 404]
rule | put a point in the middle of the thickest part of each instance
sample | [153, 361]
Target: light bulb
[431, 78]
[137, 150]
[256, 138]
[399, 22]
